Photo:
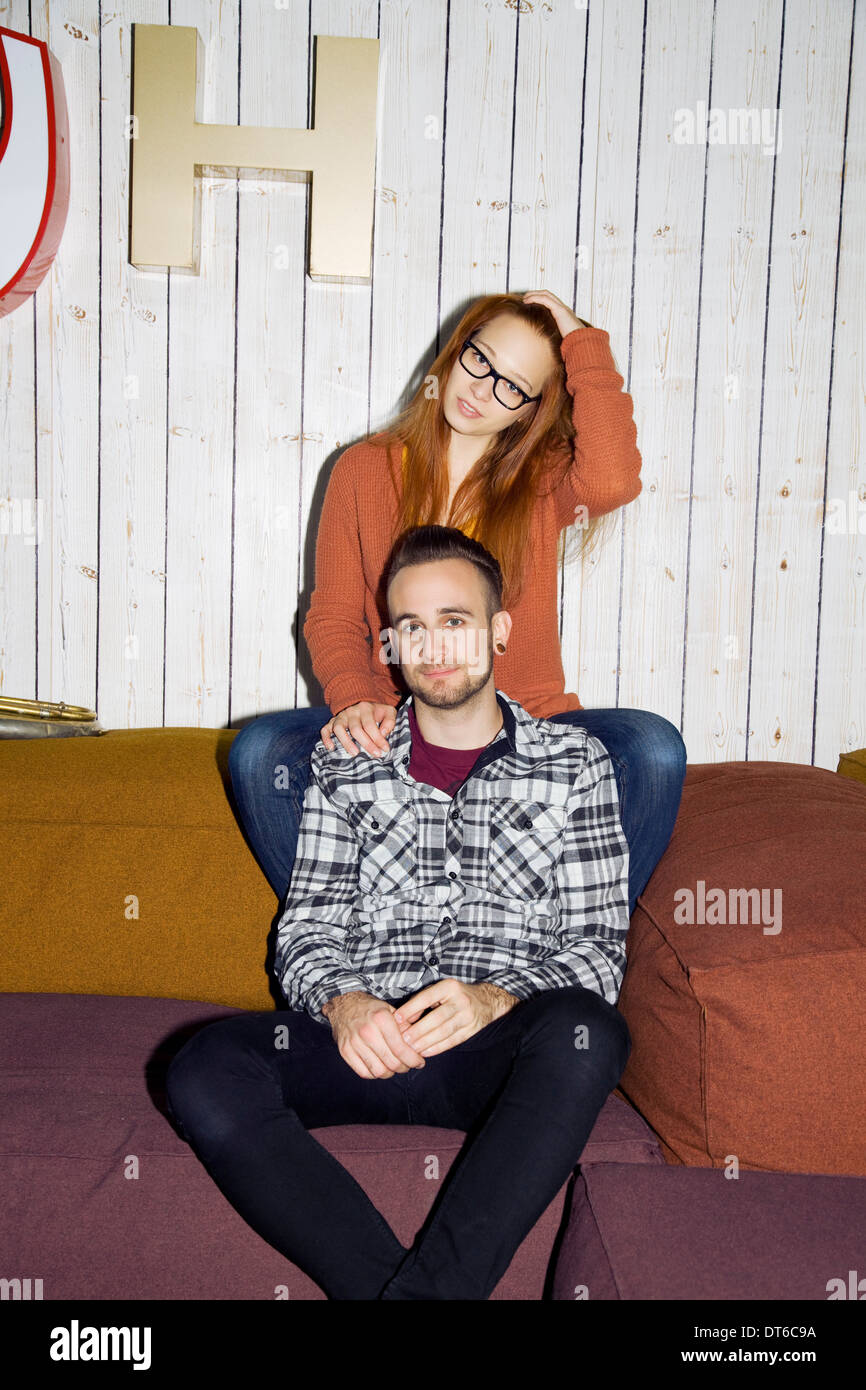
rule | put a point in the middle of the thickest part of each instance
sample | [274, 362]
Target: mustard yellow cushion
[853, 764]
[125, 870]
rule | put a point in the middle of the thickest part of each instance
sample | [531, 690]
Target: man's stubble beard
[450, 696]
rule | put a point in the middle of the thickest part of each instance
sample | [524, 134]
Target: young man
[452, 946]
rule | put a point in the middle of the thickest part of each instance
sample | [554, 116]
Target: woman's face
[522, 356]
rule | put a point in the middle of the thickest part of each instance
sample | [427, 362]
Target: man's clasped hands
[377, 1039]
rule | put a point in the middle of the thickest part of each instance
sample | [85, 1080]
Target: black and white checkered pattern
[520, 879]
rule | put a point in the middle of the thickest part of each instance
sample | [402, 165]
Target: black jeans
[526, 1089]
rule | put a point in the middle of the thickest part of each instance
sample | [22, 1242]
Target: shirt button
[452, 873]
[434, 960]
[526, 823]
[374, 824]
[406, 759]
[446, 921]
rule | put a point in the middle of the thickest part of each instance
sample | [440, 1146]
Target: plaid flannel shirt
[520, 879]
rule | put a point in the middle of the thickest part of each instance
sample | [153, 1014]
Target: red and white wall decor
[34, 165]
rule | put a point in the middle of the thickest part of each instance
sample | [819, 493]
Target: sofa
[135, 913]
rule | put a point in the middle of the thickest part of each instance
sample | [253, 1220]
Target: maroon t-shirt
[444, 768]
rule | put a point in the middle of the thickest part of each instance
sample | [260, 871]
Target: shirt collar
[518, 733]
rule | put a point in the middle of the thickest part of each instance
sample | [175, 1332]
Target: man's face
[440, 631]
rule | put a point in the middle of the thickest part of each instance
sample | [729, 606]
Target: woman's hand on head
[566, 321]
[365, 725]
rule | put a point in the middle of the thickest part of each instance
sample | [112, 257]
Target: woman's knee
[245, 750]
[668, 743]
[648, 738]
[250, 744]
[634, 737]
[275, 740]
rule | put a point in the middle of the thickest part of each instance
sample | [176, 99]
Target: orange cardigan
[355, 537]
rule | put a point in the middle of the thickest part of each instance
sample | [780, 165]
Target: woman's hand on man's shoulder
[365, 725]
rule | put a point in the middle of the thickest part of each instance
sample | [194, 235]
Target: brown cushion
[749, 1042]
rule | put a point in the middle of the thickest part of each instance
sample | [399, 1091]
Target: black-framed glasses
[473, 361]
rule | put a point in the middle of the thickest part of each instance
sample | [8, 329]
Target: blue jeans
[522, 1088]
[646, 750]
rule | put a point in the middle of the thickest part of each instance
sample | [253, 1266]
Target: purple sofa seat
[103, 1200]
[671, 1232]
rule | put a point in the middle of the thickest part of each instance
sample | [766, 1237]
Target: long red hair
[497, 496]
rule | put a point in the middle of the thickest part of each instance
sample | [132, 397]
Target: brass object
[45, 709]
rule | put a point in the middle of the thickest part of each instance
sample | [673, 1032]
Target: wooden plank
[551, 158]
[664, 332]
[134, 324]
[409, 166]
[840, 693]
[546, 172]
[272, 242]
[784, 637]
[725, 446]
[201, 389]
[336, 369]
[479, 115]
[592, 589]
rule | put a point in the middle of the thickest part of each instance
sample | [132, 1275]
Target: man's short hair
[421, 544]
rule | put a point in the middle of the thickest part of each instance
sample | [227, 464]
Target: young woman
[520, 431]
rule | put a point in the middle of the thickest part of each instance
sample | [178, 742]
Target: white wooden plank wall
[178, 430]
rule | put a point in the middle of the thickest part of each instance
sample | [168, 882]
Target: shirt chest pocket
[387, 832]
[525, 844]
